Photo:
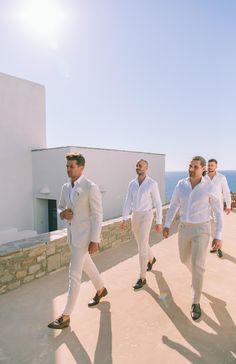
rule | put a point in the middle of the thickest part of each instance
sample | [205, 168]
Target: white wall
[111, 170]
[22, 128]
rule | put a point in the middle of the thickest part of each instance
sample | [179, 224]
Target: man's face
[73, 170]
[211, 167]
[195, 169]
[141, 168]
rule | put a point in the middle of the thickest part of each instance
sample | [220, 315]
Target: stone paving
[152, 325]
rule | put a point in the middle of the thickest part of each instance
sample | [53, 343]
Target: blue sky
[155, 76]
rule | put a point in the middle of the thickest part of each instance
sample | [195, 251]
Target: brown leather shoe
[59, 323]
[96, 299]
[213, 250]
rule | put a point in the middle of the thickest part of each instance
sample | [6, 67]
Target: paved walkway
[152, 325]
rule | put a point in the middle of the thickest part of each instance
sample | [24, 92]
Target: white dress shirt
[195, 204]
[221, 187]
[74, 188]
[143, 197]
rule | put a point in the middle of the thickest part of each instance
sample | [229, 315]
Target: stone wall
[25, 260]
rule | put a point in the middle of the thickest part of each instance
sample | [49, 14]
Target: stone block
[61, 242]
[65, 258]
[17, 266]
[3, 289]
[14, 285]
[34, 268]
[28, 261]
[40, 258]
[6, 278]
[54, 262]
[21, 274]
[51, 250]
[36, 251]
[40, 274]
[2, 268]
[28, 279]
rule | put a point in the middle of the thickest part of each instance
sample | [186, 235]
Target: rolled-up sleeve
[226, 192]
[174, 207]
[62, 202]
[128, 203]
[157, 204]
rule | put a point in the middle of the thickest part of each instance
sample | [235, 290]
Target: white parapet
[12, 234]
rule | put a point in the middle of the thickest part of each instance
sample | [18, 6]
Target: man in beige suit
[81, 206]
[194, 197]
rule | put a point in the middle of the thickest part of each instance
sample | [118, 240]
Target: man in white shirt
[142, 196]
[194, 198]
[220, 184]
[81, 206]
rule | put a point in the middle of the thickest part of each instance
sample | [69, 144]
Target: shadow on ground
[212, 348]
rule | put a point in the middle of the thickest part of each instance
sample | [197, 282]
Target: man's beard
[139, 172]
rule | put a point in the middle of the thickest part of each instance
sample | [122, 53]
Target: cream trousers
[141, 226]
[193, 246]
[80, 261]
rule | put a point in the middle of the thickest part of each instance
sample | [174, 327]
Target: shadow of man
[211, 347]
[103, 352]
[229, 257]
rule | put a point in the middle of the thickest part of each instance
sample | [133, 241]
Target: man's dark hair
[202, 162]
[212, 160]
[79, 158]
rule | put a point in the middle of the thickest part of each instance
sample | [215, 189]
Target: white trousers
[193, 246]
[141, 223]
[80, 261]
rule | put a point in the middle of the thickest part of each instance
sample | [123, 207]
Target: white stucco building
[22, 128]
[31, 175]
[111, 170]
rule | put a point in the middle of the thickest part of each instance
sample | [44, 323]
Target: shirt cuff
[218, 235]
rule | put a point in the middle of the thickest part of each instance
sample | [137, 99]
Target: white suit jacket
[86, 205]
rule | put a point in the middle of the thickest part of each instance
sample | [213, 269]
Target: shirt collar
[78, 180]
[145, 180]
[203, 180]
[213, 176]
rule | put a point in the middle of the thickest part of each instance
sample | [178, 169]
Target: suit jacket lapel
[69, 202]
[78, 190]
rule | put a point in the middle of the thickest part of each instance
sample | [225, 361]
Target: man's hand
[227, 211]
[166, 232]
[93, 247]
[216, 244]
[123, 224]
[66, 214]
[158, 228]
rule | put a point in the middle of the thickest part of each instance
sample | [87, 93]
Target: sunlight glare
[42, 17]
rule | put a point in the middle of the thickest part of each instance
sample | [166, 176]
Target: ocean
[173, 177]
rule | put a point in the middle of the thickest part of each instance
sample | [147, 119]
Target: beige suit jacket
[86, 205]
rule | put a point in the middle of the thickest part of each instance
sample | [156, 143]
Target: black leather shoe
[97, 298]
[59, 323]
[219, 253]
[150, 264]
[140, 283]
[196, 311]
